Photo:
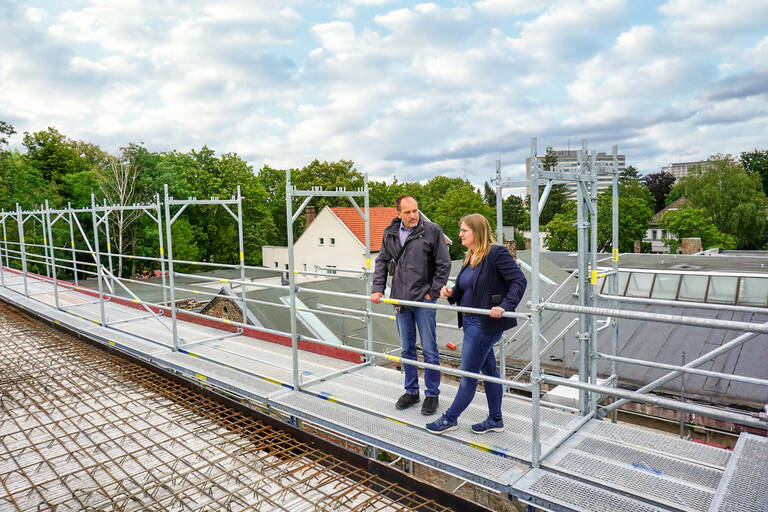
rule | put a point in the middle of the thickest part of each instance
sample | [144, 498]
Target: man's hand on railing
[376, 297]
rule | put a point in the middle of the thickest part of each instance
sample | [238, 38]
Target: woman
[489, 279]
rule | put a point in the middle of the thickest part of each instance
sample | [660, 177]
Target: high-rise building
[680, 169]
[567, 161]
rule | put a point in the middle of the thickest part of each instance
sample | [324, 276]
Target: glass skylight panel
[753, 291]
[665, 286]
[722, 289]
[693, 288]
[639, 284]
[623, 276]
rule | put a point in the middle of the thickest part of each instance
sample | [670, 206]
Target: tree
[757, 162]
[693, 222]
[561, 234]
[731, 196]
[660, 184]
[635, 213]
[549, 162]
[6, 131]
[489, 195]
[514, 212]
[629, 174]
[458, 201]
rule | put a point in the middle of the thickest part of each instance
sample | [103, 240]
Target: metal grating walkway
[623, 464]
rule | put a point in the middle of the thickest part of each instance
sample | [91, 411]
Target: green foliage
[489, 195]
[731, 196]
[660, 184]
[6, 131]
[629, 174]
[756, 162]
[514, 212]
[561, 234]
[459, 200]
[693, 222]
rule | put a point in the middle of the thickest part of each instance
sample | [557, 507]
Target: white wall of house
[655, 236]
[327, 241]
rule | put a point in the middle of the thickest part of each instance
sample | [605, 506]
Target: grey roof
[729, 261]
[662, 343]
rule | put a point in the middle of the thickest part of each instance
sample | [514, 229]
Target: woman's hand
[446, 292]
[496, 312]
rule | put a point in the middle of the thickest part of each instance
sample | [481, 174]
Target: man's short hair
[397, 201]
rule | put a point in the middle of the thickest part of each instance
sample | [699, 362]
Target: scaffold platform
[592, 465]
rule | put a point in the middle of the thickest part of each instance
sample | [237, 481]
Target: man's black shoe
[429, 406]
[406, 401]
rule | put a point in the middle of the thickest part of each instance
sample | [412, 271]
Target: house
[333, 239]
[655, 234]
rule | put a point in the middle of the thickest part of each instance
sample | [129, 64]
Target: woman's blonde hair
[481, 229]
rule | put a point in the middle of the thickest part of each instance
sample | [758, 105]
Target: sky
[406, 90]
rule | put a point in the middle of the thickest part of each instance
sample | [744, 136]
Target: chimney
[511, 246]
[691, 245]
[637, 247]
[309, 211]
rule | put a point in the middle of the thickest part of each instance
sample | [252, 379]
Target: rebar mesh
[81, 429]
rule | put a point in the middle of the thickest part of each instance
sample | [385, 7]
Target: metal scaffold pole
[241, 248]
[159, 222]
[291, 277]
[105, 220]
[22, 245]
[592, 160]
[368, 274]
[72, 241]
[500, 240]
[169, 238]
[535, 311]
[615, 267]
[97, 259]
[48, 225]
[582, 225]
[3, 259]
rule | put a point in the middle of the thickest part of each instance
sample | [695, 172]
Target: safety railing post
[97, 259]
[291, 278]
[3, 250]
[535, 311]
[368, 274]
[169, 239]
[22, 248]
[54, 274]
[615, 267]
[160, 242]
[241, 250]
[72, 241]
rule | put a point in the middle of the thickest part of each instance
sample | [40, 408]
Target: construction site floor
[602, 466]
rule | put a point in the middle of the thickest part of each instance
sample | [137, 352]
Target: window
[693, 288]
[322, 241]
[331, 269]
[655, 234]
[722, 289]
[286, 266]
[753, 291]
[665, 286]
[639, 285]
[333, 242]
[277, 264]
[305, 267]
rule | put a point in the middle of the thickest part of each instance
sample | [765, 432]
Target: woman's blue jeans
[477, 357]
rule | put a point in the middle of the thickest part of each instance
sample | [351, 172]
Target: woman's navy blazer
[498, 282]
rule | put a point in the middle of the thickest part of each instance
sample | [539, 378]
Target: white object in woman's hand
[446, 292]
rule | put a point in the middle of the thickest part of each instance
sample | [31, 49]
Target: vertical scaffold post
[160, 241]
[105, 219]
[3, 250]
[291, 278]
[241, 251]
[169, 239]
[54, 275]
[97, 259]
[592, 276]
[535, 310]
[615, 269]
[368, 275]
[72, 241]
[46, 256]
[500, 240]
[22, 248]
[582, 226]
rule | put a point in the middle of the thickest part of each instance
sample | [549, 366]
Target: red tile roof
[381, 217]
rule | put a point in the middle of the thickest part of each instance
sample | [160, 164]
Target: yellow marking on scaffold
[72, 243]
[201, 377]
[392, 358]
[194, 263]
[480, 446]
[109, 247]
[593, 276]
[395, 421]
[392, 317]
[45, 241]
[390, 301]
[368, 263]
[195, 291]
[227, 321]
[273, 381]
[161, 251]
[615, 256]
[94, 321]
[111, 343]
[135, 300]
[224, 280]
[242, 256]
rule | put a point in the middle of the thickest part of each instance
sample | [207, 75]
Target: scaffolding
[112, 289]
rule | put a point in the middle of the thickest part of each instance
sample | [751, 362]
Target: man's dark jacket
[422, 268]
[498, 282]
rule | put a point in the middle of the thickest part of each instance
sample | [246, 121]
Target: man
[415, 252]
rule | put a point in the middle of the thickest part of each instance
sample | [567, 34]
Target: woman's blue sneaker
[442, 424]
[489, 425]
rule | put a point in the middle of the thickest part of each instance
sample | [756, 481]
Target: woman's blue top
[466, 282]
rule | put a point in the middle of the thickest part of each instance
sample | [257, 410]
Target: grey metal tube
[47, 217]
[593, 278]
[97, 258]
[683, 304]
[241, 246]
[536, 314]
[636, 396]
[615, 263]
[291, 277]
[368, 275]
[72, 240]
[583, 334]
[105, 219]
[160, 242]
[20, 225]
[671, 319]
[169, 238]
